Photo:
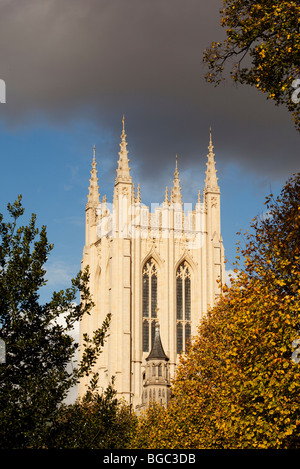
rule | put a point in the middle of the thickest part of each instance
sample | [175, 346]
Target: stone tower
[149, 268]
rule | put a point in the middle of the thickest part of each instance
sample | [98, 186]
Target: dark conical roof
[157, 351]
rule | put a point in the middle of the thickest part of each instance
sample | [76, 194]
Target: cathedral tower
[155, 272]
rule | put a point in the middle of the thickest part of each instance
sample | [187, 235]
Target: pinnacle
[166, 196]
[93, 195]
[176, 189]
[123, 170]
[211, 181]
[138, 197]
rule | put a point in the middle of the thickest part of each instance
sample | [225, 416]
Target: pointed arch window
[149, 303]
[183, 306]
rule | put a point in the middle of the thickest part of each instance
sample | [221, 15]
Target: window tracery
[183, 306]
[149, 303]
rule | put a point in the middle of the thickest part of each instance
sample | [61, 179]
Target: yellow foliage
[237, 387]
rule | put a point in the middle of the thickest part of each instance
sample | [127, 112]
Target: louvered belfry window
[183, 306]
[149, 303]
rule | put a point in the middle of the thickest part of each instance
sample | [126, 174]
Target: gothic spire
[211, 181]
[176, 190]
[93, 195]
[123, 174]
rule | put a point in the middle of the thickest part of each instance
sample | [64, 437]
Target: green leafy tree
[97, 421]
[34, 380]
[238, 385]
[262, 47]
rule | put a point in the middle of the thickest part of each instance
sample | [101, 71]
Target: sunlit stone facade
[149, 268]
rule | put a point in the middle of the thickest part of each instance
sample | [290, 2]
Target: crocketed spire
[93, 195]
[123, 170]
[211, 181]
[176, 189]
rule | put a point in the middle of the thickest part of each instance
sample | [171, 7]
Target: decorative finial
[210, 141]
[211, 181]
[93, 195]
[176, 174]
[176, 190]
[199, 197]
[138, 196]
[166, 196]
[123, 170]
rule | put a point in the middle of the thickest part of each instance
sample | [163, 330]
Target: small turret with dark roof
[157, 351]
[156, 385]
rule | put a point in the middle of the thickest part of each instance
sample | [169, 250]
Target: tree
[96, 421]
[238, 385]
[34, 380]
[262, 46]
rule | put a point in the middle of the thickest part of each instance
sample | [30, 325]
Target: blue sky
[51, 166]
[73, 68]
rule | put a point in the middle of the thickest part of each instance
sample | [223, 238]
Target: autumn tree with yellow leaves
[262, 49]
[238, 386]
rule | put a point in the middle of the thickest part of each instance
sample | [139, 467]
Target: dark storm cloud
[99, 58]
